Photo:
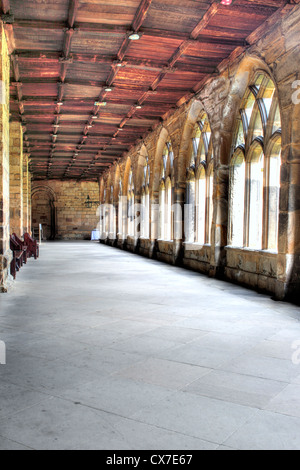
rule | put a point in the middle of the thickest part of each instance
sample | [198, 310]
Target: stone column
[288, 282]
[26, 194]
[5, 253]
[29, 212]
[16, 178]
[179, 206]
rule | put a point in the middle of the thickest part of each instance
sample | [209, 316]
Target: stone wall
[5, 254]
[273, 49]
[60, 207]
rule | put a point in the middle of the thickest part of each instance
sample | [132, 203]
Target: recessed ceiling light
[94, 117]
[108, 89]
[134, 37]
[100, 103]
[119, 64]
[138, 106]
[60, 103]
[226, 2]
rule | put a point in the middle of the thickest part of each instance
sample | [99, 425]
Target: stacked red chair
[33, 246]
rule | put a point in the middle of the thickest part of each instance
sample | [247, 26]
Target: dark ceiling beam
[212, 11]
[5, 6]
[141, 14]
[73, 8]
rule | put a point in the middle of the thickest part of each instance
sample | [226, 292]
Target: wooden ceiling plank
[129, 83]
[138, 21]
[69, 33]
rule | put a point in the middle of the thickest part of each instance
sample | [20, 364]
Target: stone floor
[107, 350]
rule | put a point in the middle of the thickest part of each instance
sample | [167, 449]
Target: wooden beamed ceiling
[67, 54]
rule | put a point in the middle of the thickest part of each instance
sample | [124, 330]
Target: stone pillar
[16, 178]
[288, 282]
[26, 195]
[222, 145]
[5, 253]
[29, 212]
[179, 212]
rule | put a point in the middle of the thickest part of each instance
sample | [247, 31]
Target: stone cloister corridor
[110, 350]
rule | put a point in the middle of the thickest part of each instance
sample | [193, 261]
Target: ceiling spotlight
[119, 64]
[226, 2]
[100, 103]
[138, 106]
[108, 89]
[134, 37]
[60, 103]
[94, 117]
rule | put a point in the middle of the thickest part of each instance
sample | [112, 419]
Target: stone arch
[108, 189]
[47, 189]
[247, 69]
[143, 155]
[196, 109]
[128, 168]
[163, 138]
[117, 179]
[44, 210]
[102, 187]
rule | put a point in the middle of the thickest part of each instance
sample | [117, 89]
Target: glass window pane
[190, 212]
[256, 200]
[274, 194]
[210, 205]
[237, 199]
[201, 207]
[240, 136]
[277, 120]
[249, 107]
[268, 96]
[258, 130]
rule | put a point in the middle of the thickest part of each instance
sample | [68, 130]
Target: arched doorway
[44, 211]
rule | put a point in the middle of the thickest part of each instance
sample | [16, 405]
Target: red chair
[19, 256]
[17, 263]
[22, 245]
[33, 246]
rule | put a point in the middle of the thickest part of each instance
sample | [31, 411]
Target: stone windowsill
[251, 250]
[196, 246]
